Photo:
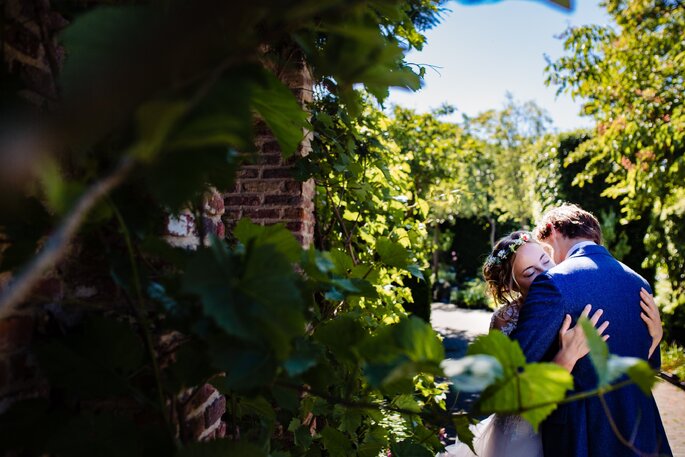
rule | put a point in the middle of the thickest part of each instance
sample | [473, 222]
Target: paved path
[460, 326]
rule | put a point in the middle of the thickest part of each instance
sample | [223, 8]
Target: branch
[56, 245]
[617, 432]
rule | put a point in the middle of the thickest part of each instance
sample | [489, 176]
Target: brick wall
[31, 54]
[265, 192]
[30, 48]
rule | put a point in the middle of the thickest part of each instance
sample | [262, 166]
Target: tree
[630, 77]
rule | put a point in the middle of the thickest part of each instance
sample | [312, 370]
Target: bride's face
[531, 260]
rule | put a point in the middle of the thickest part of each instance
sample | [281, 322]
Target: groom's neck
[568, 243]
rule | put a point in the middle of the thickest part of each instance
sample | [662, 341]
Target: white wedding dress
[501, 436]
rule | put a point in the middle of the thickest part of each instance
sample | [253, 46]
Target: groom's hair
[571, 221]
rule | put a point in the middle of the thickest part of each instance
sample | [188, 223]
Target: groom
[587, 273]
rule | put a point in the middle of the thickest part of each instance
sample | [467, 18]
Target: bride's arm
[572, 341]
[652, 318]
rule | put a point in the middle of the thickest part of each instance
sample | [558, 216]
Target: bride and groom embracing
[544, 281]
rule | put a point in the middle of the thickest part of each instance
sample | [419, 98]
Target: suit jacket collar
[589, 250]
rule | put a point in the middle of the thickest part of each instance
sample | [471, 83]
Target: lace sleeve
[505, 318]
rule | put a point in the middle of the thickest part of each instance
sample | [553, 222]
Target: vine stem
[617, 432]
[139, 308]
[57, 243]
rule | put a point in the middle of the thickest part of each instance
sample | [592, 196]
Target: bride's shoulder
[505, 317]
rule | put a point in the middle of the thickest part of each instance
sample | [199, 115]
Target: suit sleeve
[540, 320]
[655, 359]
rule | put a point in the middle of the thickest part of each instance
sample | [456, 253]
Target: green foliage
[673, 360]
[364, 213]
[312, 348]
[630, 78]
[609, 368]
[475, 295]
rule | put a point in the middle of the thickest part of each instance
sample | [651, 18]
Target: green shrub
[673, 359]
[474, 295]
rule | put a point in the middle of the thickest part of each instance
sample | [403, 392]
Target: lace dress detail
[509, 314]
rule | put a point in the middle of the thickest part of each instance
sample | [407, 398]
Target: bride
[509, 270]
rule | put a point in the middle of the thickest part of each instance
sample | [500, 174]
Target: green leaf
[415, 271]
[408, 448]
[247, 367]
[60, 192]
[89, 364]
[407, 402]
[302, 435]
[527, 393]
[94, 37]
[155, 120]
[222, 118]
[599, 351]
[336, 443]
[108, 434]
[281, 112]
[462, 425]
[257, 406]
[497, 345]
[392, 253]
[275, 235]
[397, 353]
[473, 373]
[253, 297]
[637, 370]
[221, 448]
[341, 335]
[305, 356]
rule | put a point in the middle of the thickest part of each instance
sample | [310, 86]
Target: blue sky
[486, 50]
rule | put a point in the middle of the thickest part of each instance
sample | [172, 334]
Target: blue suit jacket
[581, 428]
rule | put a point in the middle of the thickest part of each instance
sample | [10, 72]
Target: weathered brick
[277, 173]
[293, 187]
[221, 431]
[49, 288]
[284, 200]
[214, 203]
[22, 39]
[271, 147]
[295, 226]
[4, 375]
[198, 398]
[231, 215]
[214, 411]
[269, 159]
[262, 213]
[15, 332]
[215, 227]
[21, 367]
[193, 428]
[242, 200]
[266, 187]
[38, 80]
[294, 213]
[248, 173]
[261, 128]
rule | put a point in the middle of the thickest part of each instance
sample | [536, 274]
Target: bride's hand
[652, 318]
[572, 341]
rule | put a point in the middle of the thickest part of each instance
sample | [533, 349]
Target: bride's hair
[498, 269]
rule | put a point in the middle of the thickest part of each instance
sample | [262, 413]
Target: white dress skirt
[501, 436]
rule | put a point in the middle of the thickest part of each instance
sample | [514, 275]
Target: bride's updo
[498, 267]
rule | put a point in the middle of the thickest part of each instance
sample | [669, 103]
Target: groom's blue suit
[582, 429]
